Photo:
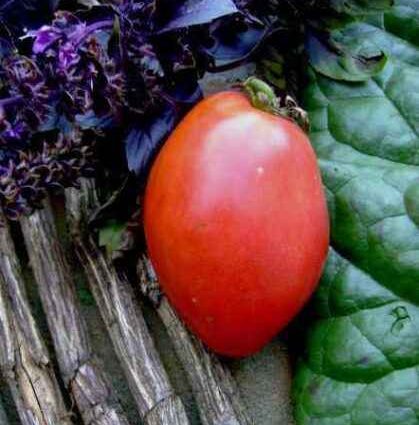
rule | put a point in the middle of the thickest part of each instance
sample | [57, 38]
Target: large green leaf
[359, 7]
[361, 365]
[352, 60]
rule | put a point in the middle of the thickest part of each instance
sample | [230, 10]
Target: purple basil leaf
[185, 89]
[233, 41]
[143, 141]
[198, 12]
[90, 120]
[96, 14]
[114, 43]
[120, 205]
[19, 15]
[44, 38]
[6, 42]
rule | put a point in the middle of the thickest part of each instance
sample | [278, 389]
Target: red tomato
[236, 222]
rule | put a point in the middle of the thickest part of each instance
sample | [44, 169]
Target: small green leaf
[110, 236]
[85, 297]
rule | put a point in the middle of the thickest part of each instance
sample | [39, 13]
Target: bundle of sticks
[79, 390]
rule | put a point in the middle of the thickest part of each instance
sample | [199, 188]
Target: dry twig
[149, 384]
[25, 362]
[81, 374]
[216, 392]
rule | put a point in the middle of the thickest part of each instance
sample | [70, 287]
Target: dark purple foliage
[25, 14]
[143, 140]
[121, 74]
[57, 164]
[197, 12]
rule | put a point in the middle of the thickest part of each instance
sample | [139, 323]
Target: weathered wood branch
[155, 399]
[24, 358]
[83, 377]
[215, 390]
[3, 416]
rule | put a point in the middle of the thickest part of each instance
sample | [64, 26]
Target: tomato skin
[236, 222]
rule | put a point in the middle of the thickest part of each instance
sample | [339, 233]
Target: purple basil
[44, 38]
[106, 74]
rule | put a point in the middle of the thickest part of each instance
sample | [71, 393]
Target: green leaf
[360, 7]
[334, 42]
[345, 57]
[333, 14]
[110, 236]
[271, 68]
[361, 365]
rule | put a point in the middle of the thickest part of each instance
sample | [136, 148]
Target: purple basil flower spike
[67, 56]
[44, 38]
[77, 33]
[14, 133]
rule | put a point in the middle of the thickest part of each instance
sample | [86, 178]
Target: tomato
[236, 222]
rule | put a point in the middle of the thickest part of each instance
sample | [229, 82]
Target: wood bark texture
[25, 362]
[149, 384]
[80, 371]
[3, 416]
[215, 390]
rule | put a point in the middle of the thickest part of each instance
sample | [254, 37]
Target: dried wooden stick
[24, 360]
[81, 374]
[215, 390]
[155, 399]
[3, 417]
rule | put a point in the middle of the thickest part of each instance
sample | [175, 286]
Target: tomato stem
[263, 97]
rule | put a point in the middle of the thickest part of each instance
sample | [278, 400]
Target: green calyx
[261, 95]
